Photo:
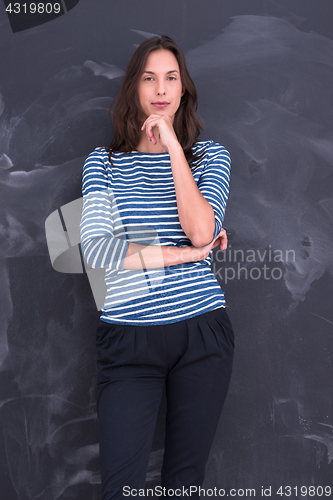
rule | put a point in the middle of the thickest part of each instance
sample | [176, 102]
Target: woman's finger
[221, 240]
[224, 241]
[149, 132]
[148, 125]
[151, 136]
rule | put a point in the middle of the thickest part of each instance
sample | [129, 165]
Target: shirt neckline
[151, 154]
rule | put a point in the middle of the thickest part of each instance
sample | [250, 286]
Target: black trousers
[193, 359]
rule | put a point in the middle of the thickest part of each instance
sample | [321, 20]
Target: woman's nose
[160, 88]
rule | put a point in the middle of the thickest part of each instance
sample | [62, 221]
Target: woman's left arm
[196, 214]
[200, 219]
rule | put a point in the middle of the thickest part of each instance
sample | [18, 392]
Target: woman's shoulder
[98, 159]
[209, 149]
[208, 146]
[99, 152]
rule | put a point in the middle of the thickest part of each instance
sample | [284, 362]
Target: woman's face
[160, 88]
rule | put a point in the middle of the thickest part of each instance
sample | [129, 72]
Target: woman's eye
[172, 78]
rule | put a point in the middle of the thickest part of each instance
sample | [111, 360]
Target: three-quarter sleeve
[214, 182]
[100, 248]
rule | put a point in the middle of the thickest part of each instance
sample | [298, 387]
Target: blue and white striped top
[135, 200]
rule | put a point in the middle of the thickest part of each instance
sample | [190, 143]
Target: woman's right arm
[154, 256]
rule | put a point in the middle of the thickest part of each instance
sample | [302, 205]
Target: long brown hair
[128, 117]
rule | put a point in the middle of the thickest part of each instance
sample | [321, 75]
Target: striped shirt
[135, 200]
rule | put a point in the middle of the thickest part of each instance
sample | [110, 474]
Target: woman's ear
[183, 91]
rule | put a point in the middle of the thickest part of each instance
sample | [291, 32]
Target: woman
[153, 209]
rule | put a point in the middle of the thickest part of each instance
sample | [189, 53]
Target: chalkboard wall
[264, 75]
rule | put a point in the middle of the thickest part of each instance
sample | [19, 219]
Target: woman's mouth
[160, 104]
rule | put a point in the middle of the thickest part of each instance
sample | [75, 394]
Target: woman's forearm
[155, 256]
[196, 215]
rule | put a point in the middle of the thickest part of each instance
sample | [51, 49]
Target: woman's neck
[146, 146]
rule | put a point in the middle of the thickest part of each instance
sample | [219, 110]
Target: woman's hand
[167, 135]
[201, 253]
